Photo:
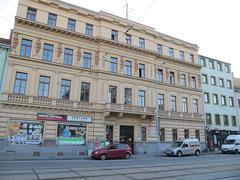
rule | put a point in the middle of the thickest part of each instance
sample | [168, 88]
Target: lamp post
[157, 115]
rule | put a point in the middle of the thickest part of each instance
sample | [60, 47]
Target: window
[31, 14]
[89, 30]
[234, 121]
[194, 82]
[143, 134]
[128, 39]
[231, 102]
[171, 52]
[195, 106]
[192, 58]
[203, 62]
[114, 35]
[113, 65]
[227, 69]
[141, 42]
[225, 120]
[71, 25]
[52, 19]
[197, 134]
[183, 80]
[160, 75]
[186, 133]
[173, 103]
[20, 83]
[128, 96]
[229, 84]
[128, 68]
[184, 105]
[141, 70]
[238, 103]
[113, 94]
[87, 58]
[181, 55]
[68, 56]
[43, 87]
[217, 120]
[213, 80]
[215, 99]
[159, 48]
[208, 119]
[141, 98]
[219, 66]
[211, 64]
[161, 102]
[204, 79]
[85, 91]
[26, 47]
[174, 135]
[172, 78]
[65, 89]
[162, 134]
[206, 98]
[47, 52]
[221, 82]
[223, 100]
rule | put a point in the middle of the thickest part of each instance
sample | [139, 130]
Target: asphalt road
[213, 166]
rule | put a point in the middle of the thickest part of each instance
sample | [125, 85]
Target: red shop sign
[51, 117]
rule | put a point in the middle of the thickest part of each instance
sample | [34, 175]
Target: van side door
[185, 148]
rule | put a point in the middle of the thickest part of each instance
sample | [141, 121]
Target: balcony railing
[130, 109]
[19, 99]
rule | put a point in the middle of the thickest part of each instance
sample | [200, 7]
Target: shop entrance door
[127, 136]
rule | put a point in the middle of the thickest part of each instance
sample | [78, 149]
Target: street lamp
[157, 115]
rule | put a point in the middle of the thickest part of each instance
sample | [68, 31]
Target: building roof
[5, 41]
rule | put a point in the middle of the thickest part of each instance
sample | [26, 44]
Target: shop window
[23, 132]
[197, 134]
[162, 135]
[71, 134]
[143, 134]
[109, 133]
[186, 133]
[174, 135]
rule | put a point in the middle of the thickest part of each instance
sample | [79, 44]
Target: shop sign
[50, 117]
[87, 119]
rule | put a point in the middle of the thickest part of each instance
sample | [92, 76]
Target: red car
[112, 151]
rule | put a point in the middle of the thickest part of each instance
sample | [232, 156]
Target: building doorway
[109, 133]
[127, 136]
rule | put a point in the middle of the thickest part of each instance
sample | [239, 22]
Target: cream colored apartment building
[74, 75]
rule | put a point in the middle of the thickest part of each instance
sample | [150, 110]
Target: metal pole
[157, 113]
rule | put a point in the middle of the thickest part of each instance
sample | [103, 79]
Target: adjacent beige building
[75, 75]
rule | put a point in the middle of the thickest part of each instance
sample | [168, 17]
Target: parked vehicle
[231, 144]
[112, 151]
[184, 147]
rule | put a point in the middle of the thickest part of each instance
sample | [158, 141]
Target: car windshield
[177, 144]
[230, 141]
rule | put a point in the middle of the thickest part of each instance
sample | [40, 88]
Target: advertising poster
[71, 134]
[22, 132]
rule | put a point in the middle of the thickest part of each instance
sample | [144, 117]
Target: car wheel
[236, 151]
[197, 153]
[103, 157]
[179, 154]
[127, 156]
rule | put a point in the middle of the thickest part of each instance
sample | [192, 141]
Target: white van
[184, 147]
[231, 144]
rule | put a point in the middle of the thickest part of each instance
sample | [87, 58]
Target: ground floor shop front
[90, 130]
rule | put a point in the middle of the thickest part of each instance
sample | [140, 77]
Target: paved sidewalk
[12, 156]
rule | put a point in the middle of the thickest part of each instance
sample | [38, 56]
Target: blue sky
[212, 24]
